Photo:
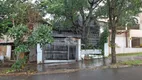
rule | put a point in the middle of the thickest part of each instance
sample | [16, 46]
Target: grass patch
[131, 62]
[130, 54]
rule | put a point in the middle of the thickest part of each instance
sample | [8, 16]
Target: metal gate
[59, 51]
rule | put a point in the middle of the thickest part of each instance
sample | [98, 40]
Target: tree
[23, 15]
[19, 35]
[4, 21]
[13, 12]
[24, 39]
[75, 14]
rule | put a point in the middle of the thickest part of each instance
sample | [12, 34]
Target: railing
[90, 51]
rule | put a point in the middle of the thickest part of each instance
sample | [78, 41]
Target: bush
[19, 64]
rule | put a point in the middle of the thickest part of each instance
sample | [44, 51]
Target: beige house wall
[136, 33]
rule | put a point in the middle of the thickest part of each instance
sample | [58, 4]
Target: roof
[65, 34]
[6, 43]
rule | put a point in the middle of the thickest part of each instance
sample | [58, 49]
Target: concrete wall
[128, 50]
[2, 52]
[121, 50]
[136, 33]
[33, 54]
[5, 51]
[85, 54]
[120, 41]
[8, 52]
[90, 51]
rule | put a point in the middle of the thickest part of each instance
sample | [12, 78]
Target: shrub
[19, 64]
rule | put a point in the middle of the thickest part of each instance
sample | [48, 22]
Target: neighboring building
[128, 40]
[94, 35]
[94, 31]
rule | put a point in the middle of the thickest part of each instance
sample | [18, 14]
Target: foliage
[4, 26]
[14, 16]
[89, 46]
[18, 33]
[19, 64]
[103, 39]
[127, 11]
[20, 49]
[4, 21]
[25, 13]
[25, 38]
[16, 12]
[41, 35]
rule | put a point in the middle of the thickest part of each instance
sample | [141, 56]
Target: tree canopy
[126, 10]
[73, 14]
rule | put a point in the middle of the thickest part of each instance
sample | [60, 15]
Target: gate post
[8, 52]
[78, 50]
[39, 54]
[106, 50]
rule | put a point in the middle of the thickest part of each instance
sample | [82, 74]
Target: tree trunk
[112, 25]
[113, 52]
[85, 36]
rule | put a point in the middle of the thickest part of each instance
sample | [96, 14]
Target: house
[5, 48]
[128, 40]
[94, 34]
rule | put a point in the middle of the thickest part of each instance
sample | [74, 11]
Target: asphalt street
[131, 73]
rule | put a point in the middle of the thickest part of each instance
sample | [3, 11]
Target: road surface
[131, 73]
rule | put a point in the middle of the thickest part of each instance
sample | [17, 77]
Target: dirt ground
[6, 67]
